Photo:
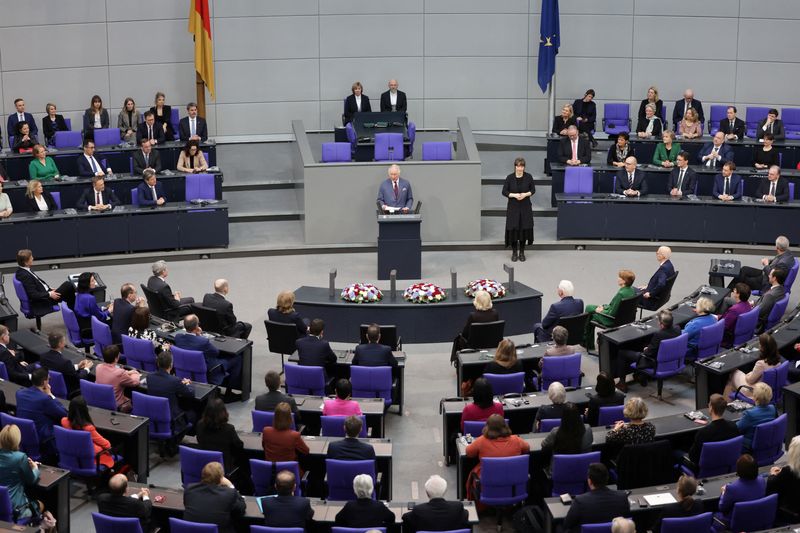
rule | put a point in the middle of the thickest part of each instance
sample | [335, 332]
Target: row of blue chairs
[367, 382]
[388, 147]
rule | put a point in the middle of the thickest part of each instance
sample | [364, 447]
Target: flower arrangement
[494, 288]
[362, 293]
[424, 293]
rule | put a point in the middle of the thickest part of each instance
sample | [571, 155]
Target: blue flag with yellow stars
[549, 40]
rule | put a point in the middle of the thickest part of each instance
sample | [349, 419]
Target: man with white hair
[394, 194]
[364, 512]
[687, 102]
[758, 278]
[557, 395]
[574, 150]
[174, 306]
[394, 100]
[224, 309]
[437, 514]
[622, 525]
[567, 305]
[650, 293]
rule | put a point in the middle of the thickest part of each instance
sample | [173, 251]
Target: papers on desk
[663, 498]
[390, 210]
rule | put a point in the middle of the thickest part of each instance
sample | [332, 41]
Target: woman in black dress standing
[519, 188]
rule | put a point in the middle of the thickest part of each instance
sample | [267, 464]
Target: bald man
[224, 309]
[115, 503]
[654, 289]
[394, 100]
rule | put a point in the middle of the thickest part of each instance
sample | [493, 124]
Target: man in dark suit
[350, 448]
[119, 505]
[224, 309]
[312, 350]
[98, 198]
[567, 305]
[38, 403]
[173, 304]
[358, 102]
[194, 339]
[718, 429]
[41, 297]
[732, 126]
[16, 367]
[771, 124]
[88, 165]
[630, 180]
[682, 179]
[777, 277]
[269, 400]
[150, 131]
[123, 311]
[437, 514]
[658, 282]
[150, 192]
[394, 100]
[688, 101]
[54, 360]
[726, 184]
[715, 153]
[374, 353]
[395, 192]
[286, 509]
[214, 500]
[20, 116]
[164, 384]
[758, 278]
[774, 190]
[364, 512]
[146, 158]
[600, 504]
[646, 358]
[192, 127]
[574, 150]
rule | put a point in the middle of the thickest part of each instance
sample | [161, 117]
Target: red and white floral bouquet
[494, 288]
[424, 293]
[362, 293]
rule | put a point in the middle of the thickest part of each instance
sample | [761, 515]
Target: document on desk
[662, 498]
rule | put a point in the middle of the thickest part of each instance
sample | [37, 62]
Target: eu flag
[549, 40]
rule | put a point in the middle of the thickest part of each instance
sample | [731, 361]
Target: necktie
[574, 149]
[680, 179]
[94, 166]
[772, 189]
[153, 189]
[192, 127]
[396, 191]
[21, 117]
[727, 185]
[146, 159]
[150, 132]
[97, 198]
[770, 127]
[630, 180]
[731, 126]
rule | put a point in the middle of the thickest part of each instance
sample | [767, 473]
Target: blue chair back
[718, 112]
[372, 382]
[700, 523]
[75, 451]
[506, 383]
[616, 118]
[56, 198]
[111, 524]
[504, 480]
[566, 369]
[263, 475]
[579, 180]
[437, 151]
[68, 122]
[3, 371]
[710, 339]
[768, 440]
[305, 379]
[135, 197]
[610, 414]
[755, 515]
[752, 118]
[569, 472]
[73, 329]
[262, 419]
[791, 122]
[57, 384]
[268, 529]
[336, 152]
[671, 354]
[176, 525]
[745, 326]
[67, 139]
[30, 437]
[107, 136]
[389, 147]
[717, 458]
[546, 424]
[200, 186]
[101, 335]
[776, 377]
[157, 410]
[340, 476]
[358, 529]
[98, 395]
[193, 461]
[139, 353]
[190, 364]
[351, 136]
[792, 275]
[475, 427]
[412, 136]
[333, 426]
[604, 527]
[777, 311]
[175, 121]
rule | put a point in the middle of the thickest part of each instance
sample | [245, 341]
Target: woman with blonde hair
[284, 313]
[764, 411]
[667, 150]
[42, 167]
[769, 357]
[564, 120]
[163, 115]
[483, 313]
[690, 127]
[704, 309]
[637, 431]
[39, 199]
[785, 481]
[128, 120]
[357, 102]
[652, 98]
[19, 472]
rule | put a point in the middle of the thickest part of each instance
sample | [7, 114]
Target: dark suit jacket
[270, 400]
[596, 402]
[224, 309]
[584, 150]
[349, 449]
[120, 506]
[364, 512]
[777, 130]
[781, 190]
[350, 107]
[374, 354]
[146, 195]
[587, 111]
[153, 161]
[313, 351]
[190, 341]
[436, 515]
[47, 126]
[689, 180]
[85, 168]
[156, 284]
[680, 109]
[201, 129]
[53, 360]
[599, 505]
[659, 279]
[479, 317]
[733, 188]
[639, 183]
[566, 306]
[766, 303]
[651, 350]
[714, 431]
[45, 411]
[48, 198]
[16, 372]
[287, 511]
[88, 120]
[289, 318]
[386, 103]
[38, 296]
[224, 439]
[88, 198]
[213, 505]
[658, 127]
[13, 120]
[164, 385]
[643, 104]
[725, 151]
[738, 127]
[121, 319]
[158, 133]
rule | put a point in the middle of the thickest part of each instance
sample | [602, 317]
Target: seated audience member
[774, 189]
[95, 117]
[24, 139]
[38, 403]
[768, 300]
[172, 302]
[691, 127]
[42, 167]
[748, 487]
[164, 384]
[162, 113]
[284, 313]
[140, 327]
[437, 514]
[658, 282]
[483, 313]
[3, 173]
[285, 510]
[145, 158]
[18, 370]
[128, 120]
[682, 179]
[150, 131]
[194, 339]
[600, 504]
[6, 209]
[20, 116]
[785, 480]
[120, 505]
[41, 297]
[342, 405]
[732, 126]
[216, 301]
[54, 360]
[350, 448]
[637, 431]
[356, 103]
[394, 100]
[620, 151]
[574, 150]
[214, 432]
[79, 419]
[768, 357]
[122, 311]
[280, 441]
[270, 400]
[652, 98]
[647, 357]
[667, 150]
[560, 337]
[686, 505]
[364, 512]
[557, 395]
[109, 372]
[483, 404]
[726, 184]
[150, 193]
[605, 395]
[650, 125]
[98, 198]
[564, 121]
[630, 180]
[88, 165]
[758, 278]
[19, 474]
[214, 500]
[717, 430]
[625, 279]
[622, 525]
[374, 353]
[741, 295]
[191, 160]
[771, 124]
[567, 305]
[571, 436]
[496, 441]
[766, 155]
[505, 360]
[192, 127]
[705, 317]
[715, 153]
[39, 199]
[763, 411]
[52, 123]
[313, 350]
[586, 115]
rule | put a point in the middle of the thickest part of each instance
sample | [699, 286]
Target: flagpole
[200, 87]
[551, 102]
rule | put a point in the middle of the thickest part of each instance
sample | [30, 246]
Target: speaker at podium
[399, 244]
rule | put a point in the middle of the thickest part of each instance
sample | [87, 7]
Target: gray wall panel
[484, 114]
[37, 88]
[148, 10]
[596, 7]
[688, 8]
[477, 6]
[255, 119]
[475, 77]
[44, 12]
[476, 35]
[780, 46]
[711, 80]
[145, 42]
[654, 37]
[779, 9]
[751, 82]
[266, 38]
[291, 80]
[538, 115]
[365, 7]
[70, 45]
[175, 80]
[337, 76]
[589, 36]
[609, 77]
[260, 8]
[365, 36]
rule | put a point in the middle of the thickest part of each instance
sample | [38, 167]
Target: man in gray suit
[758, 278]
[777, 277]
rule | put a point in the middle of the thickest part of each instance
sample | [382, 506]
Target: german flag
[200, 27]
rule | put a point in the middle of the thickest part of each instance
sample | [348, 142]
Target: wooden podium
[399, 246]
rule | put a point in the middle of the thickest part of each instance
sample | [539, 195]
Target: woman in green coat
[625, 279]
[666, 151]
[42, 167]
